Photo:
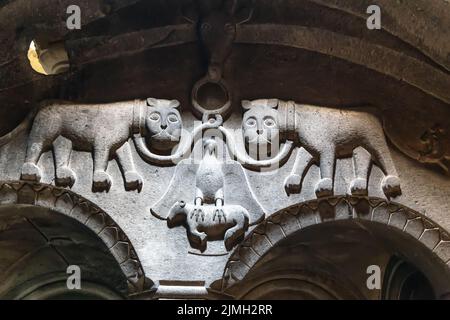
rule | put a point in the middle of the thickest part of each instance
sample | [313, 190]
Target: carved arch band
[74, 206]
[286, 222]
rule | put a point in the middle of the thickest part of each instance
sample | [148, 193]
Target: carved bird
[209, 180]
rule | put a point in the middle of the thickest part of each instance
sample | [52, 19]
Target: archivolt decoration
[297, 217]
[76, 207]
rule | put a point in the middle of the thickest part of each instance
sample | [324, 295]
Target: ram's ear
[152, 102]
[272, 103]
[174, 103]
[247, 104]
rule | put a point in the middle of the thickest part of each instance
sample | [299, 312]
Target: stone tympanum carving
[104, 130]
[209, 179]
[322, 134]
[208, 223]
[216, 23]
[434, 148]
[211, 199]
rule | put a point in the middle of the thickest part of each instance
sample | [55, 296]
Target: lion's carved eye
[269, 122]
[173, 118]
[251, 122]
[154, 116]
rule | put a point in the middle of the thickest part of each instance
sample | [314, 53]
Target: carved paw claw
[133, 181]
[197, 214]
[219, 214]
[65, 177]
[292, 184]
[358, 187]
[391, 186]
[30, 172]
[101, 181]
[324, 188]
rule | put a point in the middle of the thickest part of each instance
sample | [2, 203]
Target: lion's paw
[358, 187]
[101, 181]
[31, 172]
[292, 183]
[65, 177]
[324, 188]
[391, 186]
[133, 181]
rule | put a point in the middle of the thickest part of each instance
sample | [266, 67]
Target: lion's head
[260, 123]
[163, 123]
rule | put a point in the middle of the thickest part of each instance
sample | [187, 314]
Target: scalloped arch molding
[285, 222]
[74, 206]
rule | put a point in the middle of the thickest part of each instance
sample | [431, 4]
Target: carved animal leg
[133, 180]
[219, 213]
[30, 170]
[62, 148]
[44, 131]
[236, 233]
[382, 155]
[327, 161]
[197, 238]
[293, 182]
[101, 180]
[198, 197]
[218, 197]
[361, 163]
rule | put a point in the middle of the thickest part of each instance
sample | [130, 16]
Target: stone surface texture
[272, 148]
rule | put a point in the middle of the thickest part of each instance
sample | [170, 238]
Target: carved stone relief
[69, 204]
[434, 148]
[154, 124]
[320, 134]
[212, 199]
[286, 222]
[217, 30]
[220, 174]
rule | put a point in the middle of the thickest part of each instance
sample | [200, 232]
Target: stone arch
[78, 208]
[431, 80]
[283, 223]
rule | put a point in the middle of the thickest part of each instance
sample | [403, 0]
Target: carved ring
[208, 85]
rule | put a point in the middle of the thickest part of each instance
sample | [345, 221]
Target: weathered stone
[259, 160]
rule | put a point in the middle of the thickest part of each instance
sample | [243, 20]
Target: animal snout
[163, 126]
[182, 203]
[259, 131]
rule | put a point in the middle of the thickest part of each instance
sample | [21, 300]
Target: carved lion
[322, 135]
[102, 129]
